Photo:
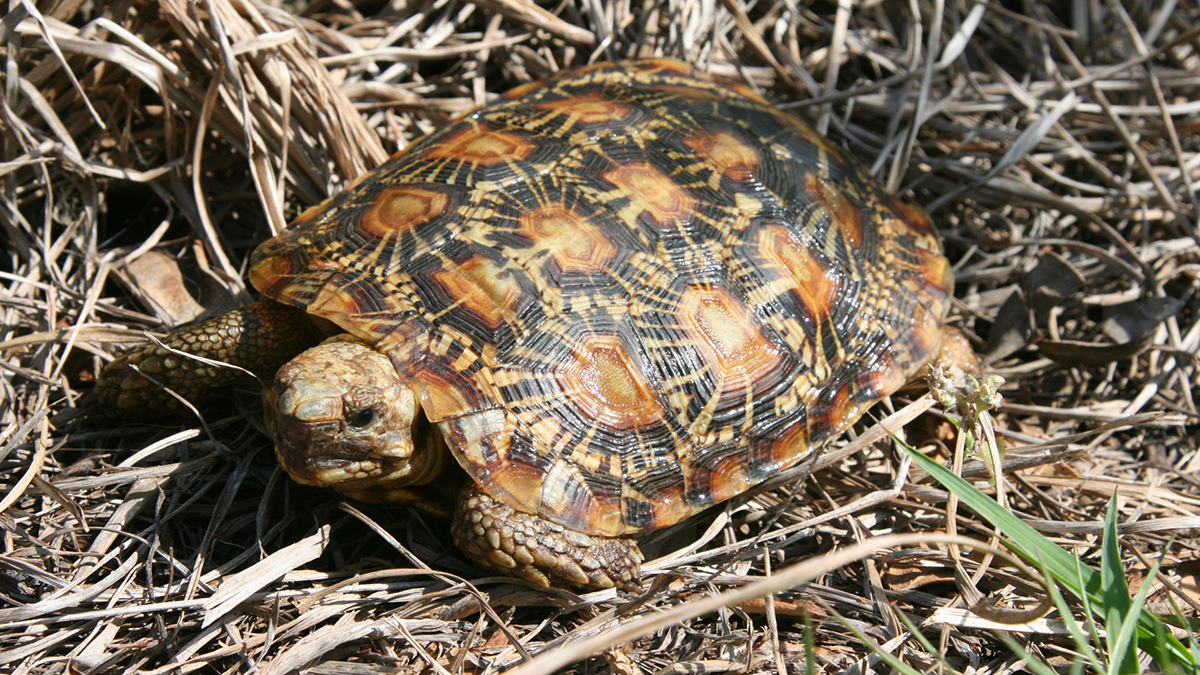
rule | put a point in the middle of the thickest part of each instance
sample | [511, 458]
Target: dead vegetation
[149, 145]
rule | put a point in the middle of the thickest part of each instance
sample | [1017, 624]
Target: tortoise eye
[362, 418]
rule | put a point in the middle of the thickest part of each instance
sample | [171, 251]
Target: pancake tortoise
[614, 298]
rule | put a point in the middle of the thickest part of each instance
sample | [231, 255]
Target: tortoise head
[343, 418]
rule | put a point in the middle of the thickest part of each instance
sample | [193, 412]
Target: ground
[147, 148]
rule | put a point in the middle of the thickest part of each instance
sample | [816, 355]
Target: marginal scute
[667, 505]
[524, 90]
[591, 109]
[729, 478]
[335, 304]
[847, 217]
[792, 444]
[450, 379]
[881, 377]
[483, 439]
[690, 93]
[925, 336]
[287, 276]
[749, 93]
[367, 307]
[667, 67]
[810, 135]
[835, 411]
[936, 273]
[916, 218]
[566, 498]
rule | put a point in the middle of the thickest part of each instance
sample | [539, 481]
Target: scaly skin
[538, 550]
[259, 337]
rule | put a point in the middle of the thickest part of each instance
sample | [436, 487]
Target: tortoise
[614, 298]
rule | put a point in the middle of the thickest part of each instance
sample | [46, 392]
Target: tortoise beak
[307, 422]
[316, 446]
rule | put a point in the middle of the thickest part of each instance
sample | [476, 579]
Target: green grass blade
[1122, 653]
[810, 647]
[1124, 645]
[1060, 563]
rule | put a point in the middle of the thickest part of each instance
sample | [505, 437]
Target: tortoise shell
[627, 293]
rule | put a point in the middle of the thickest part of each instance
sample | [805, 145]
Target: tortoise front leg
[533, 548]
[259, 337]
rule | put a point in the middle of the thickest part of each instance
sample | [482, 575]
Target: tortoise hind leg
[533, 548]
[259, 337]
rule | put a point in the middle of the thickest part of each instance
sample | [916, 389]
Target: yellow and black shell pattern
[627, 293]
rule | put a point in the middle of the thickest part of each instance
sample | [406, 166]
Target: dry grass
[1054, 143]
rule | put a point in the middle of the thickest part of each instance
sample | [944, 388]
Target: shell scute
[735, 348]
[726, 153]
[650, 193]
[568, 237]
[396, 211]
[483, 153]
[603, 379]
[585, 111]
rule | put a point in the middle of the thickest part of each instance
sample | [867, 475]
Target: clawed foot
[538, 550]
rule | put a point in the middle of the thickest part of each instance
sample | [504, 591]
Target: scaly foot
[533, 548]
